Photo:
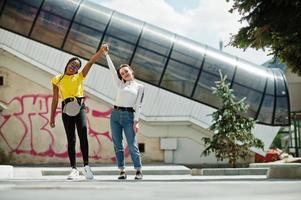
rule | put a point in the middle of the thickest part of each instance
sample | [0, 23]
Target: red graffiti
[27, 119]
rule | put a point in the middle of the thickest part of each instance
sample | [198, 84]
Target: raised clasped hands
[104, 48]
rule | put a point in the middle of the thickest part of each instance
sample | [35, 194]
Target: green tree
[232, 137]
[273, 24]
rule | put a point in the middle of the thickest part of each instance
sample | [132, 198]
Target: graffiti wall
[25, 132]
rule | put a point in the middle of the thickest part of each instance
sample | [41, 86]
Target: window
[1, 80]
[203, 91]
[87, 29]
[282, 104]
[266, 111]
[183, 67]
[1, 4]
[148, 65]
[250, 82]
[251, 76]
[156, 40]
[53, 21]
[253, 97]
[267, 107]
[141, 147]
[122, 35]
[18, 15]
[214, 62]
[151, 54]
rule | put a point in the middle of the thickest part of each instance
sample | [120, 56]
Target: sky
[204, 21]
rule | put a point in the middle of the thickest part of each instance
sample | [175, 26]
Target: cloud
[207, 23]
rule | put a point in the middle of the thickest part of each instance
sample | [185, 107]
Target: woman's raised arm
[92, 60]
[105, 49]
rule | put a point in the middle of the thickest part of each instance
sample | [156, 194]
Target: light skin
[126, 74]
[72, 68]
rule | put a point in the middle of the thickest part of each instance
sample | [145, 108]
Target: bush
[4, 158]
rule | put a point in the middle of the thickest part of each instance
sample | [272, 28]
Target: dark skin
[72, 68]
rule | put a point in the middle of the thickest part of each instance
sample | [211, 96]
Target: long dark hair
[72, 59]
[69, 61]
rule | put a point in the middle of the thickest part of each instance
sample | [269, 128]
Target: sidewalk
[110, 173]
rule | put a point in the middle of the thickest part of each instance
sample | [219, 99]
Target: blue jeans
[123, 121]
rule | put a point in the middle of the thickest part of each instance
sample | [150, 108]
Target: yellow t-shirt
[69, 85]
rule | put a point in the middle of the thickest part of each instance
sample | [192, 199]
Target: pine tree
[232, 137]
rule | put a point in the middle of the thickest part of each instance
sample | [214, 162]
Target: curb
[6, 171]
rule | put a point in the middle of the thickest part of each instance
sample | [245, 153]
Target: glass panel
[282, 104]
[148, 66]
[188, 52]
[121, 35]
[1, 4]
[53, 21]
[82, 41]
[180, 77]
[50, 29]
[215, 61]
[64, 9]
[250, 75]
[281, 114]
[124, 28]
[120, 51]
[18, 15]
[204, 90]
[266, 111]
[280, 85]
[87, 29]
[156, 39]
[93, 16]
[253, 98]
[271, 83]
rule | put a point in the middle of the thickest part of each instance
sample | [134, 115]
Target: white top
[129, 94]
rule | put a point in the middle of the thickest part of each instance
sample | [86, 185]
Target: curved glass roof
[159, 57]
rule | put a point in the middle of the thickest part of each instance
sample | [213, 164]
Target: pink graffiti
[30, 113]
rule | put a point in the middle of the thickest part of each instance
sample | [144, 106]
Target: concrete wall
[25, 132]
[24, 127]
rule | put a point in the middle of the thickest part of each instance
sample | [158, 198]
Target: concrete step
[6, 171]
[110, 170]
[279, 170]
[228, 171]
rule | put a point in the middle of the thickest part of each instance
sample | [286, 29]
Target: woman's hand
[52, 123]
[136, 127]
[105, 48]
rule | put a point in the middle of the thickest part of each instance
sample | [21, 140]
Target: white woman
[125, 114]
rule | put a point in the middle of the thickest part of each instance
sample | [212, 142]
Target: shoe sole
[88, 177]
[122, 177]
[73, 179]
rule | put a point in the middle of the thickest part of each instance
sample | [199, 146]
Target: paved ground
[29, 183]
[160, 188]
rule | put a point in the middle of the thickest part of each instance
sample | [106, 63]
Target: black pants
[81, 124]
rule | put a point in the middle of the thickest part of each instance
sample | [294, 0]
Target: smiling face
[73, 67]
[126, 73]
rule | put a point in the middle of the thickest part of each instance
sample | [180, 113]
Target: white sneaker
[74, 174]
[88, 173]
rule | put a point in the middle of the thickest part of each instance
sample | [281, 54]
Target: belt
[130, 109]
[67, 100]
